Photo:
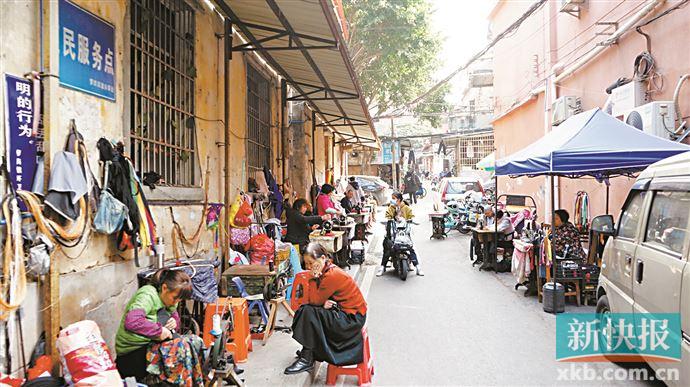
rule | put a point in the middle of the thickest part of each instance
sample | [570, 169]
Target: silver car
[374, 186]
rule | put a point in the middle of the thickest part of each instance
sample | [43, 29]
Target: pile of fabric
[177, 361]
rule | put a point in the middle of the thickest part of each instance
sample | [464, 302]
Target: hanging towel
[67, 185]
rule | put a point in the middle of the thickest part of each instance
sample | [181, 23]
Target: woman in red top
[329, 325]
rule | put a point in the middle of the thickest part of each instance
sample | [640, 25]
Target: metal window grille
[258, 121]
[162, 74]
[473, 148]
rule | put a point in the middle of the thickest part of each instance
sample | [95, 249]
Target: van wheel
[603, 311]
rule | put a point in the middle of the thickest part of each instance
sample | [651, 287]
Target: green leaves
[394, 50]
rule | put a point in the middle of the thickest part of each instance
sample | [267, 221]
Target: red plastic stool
[364, 371]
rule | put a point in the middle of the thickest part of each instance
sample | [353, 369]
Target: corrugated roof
[324, 76]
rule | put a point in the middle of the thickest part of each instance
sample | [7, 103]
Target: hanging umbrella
[488, 163]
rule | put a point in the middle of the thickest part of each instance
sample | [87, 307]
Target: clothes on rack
[581, 218]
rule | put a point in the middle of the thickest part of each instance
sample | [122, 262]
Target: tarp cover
[591, 143]
[487, 163]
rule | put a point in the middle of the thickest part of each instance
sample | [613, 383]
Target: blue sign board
[22, 141]
[87, 52]
[388, 148]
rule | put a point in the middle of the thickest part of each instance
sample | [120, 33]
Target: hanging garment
[204, 282]
[67, 185]
[275, 196]
[177, 361]
[521, 262]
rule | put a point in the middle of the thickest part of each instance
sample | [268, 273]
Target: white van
[645, 262]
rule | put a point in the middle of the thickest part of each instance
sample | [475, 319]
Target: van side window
[668, 220]
[632, 213]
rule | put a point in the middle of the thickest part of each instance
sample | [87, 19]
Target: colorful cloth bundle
[177, 361]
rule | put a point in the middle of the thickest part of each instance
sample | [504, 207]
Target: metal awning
[303, 42]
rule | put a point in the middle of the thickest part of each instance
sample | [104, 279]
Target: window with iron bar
[162, 75]
[473, 149]
[258, 121]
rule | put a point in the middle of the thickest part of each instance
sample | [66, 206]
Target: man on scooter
[397, 209]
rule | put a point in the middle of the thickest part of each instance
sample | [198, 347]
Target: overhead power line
[513, 27]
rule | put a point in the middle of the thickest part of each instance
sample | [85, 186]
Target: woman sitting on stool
[140, 326]
[329, 325]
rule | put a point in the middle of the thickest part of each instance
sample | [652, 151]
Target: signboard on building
[388, 147]
[87, 51]
[21, 140]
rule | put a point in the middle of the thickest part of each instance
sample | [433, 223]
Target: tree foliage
[394, 52]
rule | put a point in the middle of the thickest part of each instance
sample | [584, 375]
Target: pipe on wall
[227, 57]
[625, 27]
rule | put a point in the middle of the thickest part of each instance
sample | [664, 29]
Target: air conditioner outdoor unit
[564, 107]
[656, 118]
[627, 97]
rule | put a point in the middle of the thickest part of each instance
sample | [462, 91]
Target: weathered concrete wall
[97, 280]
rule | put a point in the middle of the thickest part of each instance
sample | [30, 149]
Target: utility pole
[394, 174]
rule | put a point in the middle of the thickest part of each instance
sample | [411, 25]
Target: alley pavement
[454, 326]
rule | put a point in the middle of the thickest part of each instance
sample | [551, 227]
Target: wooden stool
[274, 304]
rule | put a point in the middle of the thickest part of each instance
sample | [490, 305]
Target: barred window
[258, 120]
[162, 131]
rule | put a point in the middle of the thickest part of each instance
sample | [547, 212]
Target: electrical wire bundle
[581, 218]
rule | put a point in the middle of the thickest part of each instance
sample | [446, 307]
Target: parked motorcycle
[473, 212]
[400, 234]
[456, 217]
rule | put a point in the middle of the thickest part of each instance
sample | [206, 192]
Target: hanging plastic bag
[85, 358]
[239, 236]
[111, 213]
[261, 249]
[234, 208]
[237, 258]
[243, 215]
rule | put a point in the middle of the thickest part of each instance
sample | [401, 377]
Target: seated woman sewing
[566, 234]
[140, 325]
[329, 325]
[299, 225]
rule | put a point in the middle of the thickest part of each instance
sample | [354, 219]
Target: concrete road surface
[459, 326]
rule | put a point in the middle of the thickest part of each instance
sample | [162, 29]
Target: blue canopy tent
[591, 143]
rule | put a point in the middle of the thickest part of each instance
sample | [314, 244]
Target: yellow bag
[233, 211]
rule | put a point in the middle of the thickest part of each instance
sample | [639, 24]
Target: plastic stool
[364, 371]
[239, 340]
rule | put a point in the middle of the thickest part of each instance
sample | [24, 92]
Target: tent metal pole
[608, 186]
[496, 225]
[553, 249]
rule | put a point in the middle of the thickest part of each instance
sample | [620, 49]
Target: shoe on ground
[304, 363]
[380, 271]
[419, 271]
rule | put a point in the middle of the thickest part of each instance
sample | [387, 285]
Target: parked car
[374, 186]
[644, 262]
[454, 188]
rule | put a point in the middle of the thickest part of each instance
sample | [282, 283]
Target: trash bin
[548, 298]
